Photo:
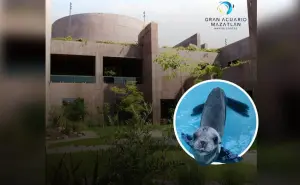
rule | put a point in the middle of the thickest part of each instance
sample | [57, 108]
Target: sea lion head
[206, 145]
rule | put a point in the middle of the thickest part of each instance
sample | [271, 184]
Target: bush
[69, 117]
[133, 160]
[131, 97]
[76, 110]
[56, 117]
[231, 177]
[191, 176]
[92, 121]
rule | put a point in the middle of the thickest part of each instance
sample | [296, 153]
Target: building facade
[127, 47]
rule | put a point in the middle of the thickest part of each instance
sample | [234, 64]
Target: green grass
[210, 172]
[106, 137]
[279, 156]
[82, 142]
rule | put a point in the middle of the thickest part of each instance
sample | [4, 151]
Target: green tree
[130, 99]
[173, 62]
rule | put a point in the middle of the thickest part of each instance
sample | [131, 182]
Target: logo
[226, 21]
[225, 7]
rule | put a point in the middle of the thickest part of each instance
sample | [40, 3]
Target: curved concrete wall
[99, 27]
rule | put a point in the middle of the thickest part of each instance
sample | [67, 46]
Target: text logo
[225, 7]
[227, 21]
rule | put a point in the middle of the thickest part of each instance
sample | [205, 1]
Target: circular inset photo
[215, 122]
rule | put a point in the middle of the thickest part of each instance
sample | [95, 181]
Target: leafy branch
[178, 65]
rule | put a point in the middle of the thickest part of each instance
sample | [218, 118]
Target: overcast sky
[177, 19]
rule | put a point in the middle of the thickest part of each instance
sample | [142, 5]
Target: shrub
[76, 110]
[57, 118]
[232, 177]
[133, 160]
[191, 176]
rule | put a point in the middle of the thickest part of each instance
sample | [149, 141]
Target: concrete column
[99, 91]
[252, 20]
[99, 68]
[148, 39]
[156, 78]
[47, 70]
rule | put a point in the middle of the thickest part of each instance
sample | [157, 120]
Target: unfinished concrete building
[128, 47]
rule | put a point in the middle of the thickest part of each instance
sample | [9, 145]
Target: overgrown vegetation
[180, 66]
[137, 159]
[109, 72]
[195, 48]
[133, 158]
[238, 63]
[119, 43]
[69, 117]
[130, 98]
[69, 38]
[192, 47]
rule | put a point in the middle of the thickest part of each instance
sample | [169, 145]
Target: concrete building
[127, 46]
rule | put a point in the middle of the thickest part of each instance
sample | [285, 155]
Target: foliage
[238, 63]
[119, 43]
[171, 60]
[192, 176]
[133, 160]
[57, 118]
[69, 117]
[110, 119]
[108, 72]
[131, 98]
[69, 38]
[233, 178]
[204, 69]
[192, 47]
[76, 110]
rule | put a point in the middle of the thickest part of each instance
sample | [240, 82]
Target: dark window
[121, 70]
[167, 107]
[73, 68]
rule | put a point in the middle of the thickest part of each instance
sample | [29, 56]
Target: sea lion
[206, 141]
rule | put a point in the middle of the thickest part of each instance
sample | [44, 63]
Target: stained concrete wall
[194, 39]
[94, 94]
[98, 27]
[240, 75]
[155, 84]
[170, 88]
[237, 50]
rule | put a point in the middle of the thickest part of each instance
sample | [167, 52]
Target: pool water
[239, 131]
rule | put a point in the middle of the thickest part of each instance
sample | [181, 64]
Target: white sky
[177, 19]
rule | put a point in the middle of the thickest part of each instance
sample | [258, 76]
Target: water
[239, 131]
